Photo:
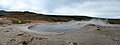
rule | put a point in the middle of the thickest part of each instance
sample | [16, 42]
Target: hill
[34, 17]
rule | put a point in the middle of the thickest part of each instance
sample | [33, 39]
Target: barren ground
[19, 34]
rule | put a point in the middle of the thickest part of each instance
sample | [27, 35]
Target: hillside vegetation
[28, 17]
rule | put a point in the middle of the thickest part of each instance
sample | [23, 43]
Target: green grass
[114, 21]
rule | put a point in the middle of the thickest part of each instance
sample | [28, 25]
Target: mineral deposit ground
[94, 32]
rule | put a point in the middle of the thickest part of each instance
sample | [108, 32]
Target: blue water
[53, 27]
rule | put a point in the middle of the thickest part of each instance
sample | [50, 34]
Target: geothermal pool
[66, 26]
[54, 27]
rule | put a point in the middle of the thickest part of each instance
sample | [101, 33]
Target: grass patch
[20, 21]
[114, 21]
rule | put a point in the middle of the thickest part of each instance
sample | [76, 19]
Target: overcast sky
[94, 8]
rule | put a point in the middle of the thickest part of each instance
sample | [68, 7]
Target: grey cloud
[98, 8]
[92, 8]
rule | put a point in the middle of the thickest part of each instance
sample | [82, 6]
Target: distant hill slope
[31, 16]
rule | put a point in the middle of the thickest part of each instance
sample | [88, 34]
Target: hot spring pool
[67, 26]
[54, 27]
